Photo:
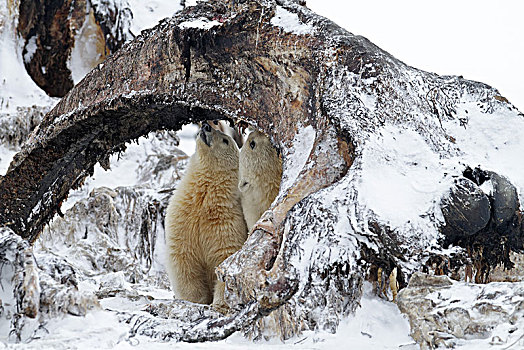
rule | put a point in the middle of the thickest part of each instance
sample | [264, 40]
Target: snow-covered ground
[378, 324]
[6, 155]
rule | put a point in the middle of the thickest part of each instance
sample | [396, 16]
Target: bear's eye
[252, 144]
[225, 141]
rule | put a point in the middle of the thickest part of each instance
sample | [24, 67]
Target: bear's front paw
[221, 307]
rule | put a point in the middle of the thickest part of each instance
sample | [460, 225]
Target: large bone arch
[242, 69]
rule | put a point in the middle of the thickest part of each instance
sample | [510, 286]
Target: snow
[297, 155]
[121, 27]
[202, 23]
[188, 138]
[377, 324]
[402, 178]
[290, 22]
[146, 14]
[193, 2]
[491, 141]
[31, 49]
[482, 304]
[7, 272]
[474, 38]
[6, 155]
[84, 55]
[399, 177]
[125, 167]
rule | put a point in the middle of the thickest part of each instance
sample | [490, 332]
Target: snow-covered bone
[344, 87]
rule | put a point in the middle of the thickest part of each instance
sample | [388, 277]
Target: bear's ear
[242, 185]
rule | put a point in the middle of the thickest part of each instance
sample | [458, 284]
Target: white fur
[260, 175]
[204, 220]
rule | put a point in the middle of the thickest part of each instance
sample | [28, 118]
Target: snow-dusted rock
[446, 313]
[516, 274]
[111, 230]
[60, 294]
[20, 289]
[35, 290]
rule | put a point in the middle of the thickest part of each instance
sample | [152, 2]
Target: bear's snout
[206, 127]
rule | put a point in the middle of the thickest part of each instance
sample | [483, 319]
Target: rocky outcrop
[445, 313]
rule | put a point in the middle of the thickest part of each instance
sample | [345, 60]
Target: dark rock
[466, 210]
[476, 175]
[505, 204]
[487, 222]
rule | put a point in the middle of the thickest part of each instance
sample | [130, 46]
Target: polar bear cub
[204, 220]
[260, 175]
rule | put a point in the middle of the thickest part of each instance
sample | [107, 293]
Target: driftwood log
[49, 30]
[317, 90]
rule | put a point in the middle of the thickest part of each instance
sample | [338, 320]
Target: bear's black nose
[206, 127]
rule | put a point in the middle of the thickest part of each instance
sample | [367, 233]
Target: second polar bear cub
[260, 175]
[204, 219]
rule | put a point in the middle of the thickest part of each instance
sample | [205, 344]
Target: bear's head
[216, 150]
[259, 162]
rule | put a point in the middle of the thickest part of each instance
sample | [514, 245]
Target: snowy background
[479, 40]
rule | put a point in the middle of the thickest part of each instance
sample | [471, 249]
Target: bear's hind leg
[190, 281]
[218, 286]
[218, 296]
